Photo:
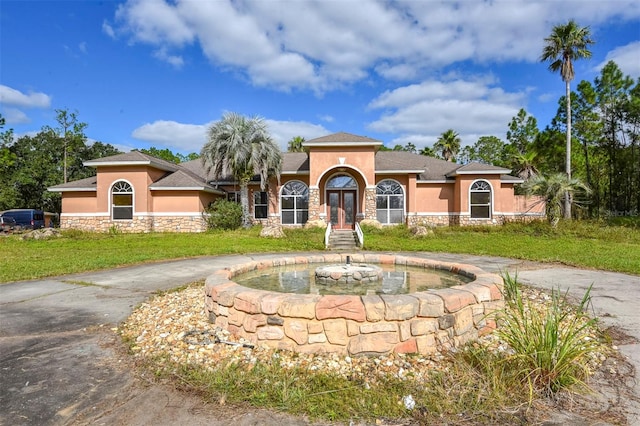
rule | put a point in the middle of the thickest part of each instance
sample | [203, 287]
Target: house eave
[479, 172]
[71, 189]
[436, 181]
[397, 172]
[187, 188]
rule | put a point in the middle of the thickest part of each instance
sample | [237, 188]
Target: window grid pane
[480, 200]
[294, 203]
[260, 205]
[389, 202]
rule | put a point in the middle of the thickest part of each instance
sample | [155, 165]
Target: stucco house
[342, 179]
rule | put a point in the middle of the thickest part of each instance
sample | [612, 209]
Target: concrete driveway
[58, 363]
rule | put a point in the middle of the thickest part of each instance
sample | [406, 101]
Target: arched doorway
[342, 201]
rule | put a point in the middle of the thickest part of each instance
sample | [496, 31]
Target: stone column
[314, 203]
[370, 203]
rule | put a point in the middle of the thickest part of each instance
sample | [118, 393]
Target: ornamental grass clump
[553, 348]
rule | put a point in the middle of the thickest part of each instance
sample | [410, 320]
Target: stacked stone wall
[466, 220]
[136, 225]
[370, 208]
[420, 322]
[314, 203]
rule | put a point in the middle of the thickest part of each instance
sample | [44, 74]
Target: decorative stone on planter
[421, 322]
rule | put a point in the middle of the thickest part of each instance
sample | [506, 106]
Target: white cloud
[14, 116]
[171, 134]
[626, 57]
[324, 45]
[174, 60]
[13, 97]
[108, 29]
[283, 131]
[328, 118]
[419, 113]
[155, 21]
[192, 137]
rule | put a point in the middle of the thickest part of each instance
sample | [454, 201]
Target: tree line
[30, 164]
[605, 144]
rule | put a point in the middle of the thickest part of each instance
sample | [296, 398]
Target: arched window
[342, 182]
[480, 200]
[294, 203]
[389, 202]
[121, 201]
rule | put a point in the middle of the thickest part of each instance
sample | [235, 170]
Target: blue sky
[157, 73]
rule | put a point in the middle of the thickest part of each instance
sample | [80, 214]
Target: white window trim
[133, 201]
[491, 200]
[295, 209]
[404, 202]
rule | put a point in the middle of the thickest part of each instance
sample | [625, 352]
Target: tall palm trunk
[567, 195]
[244, 202]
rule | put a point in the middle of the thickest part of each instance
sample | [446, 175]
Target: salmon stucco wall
[179, 201]
[434, 197]
[362, 159]
[139, 178]
[79, 202]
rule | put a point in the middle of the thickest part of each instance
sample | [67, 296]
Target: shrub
[554, 346]
[224, 214]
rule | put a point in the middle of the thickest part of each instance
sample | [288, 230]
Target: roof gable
[342, 139]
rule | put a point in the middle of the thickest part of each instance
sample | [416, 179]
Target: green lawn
[584, 244]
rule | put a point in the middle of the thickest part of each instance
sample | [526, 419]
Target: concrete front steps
[343, 240]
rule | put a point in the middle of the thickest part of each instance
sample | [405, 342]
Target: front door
[342, 209]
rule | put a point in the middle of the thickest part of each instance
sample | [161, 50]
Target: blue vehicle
[26, 218]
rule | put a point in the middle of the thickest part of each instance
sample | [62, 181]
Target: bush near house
[224, 214]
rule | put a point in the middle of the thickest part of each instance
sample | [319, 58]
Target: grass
[590, 245]
[82, 251]
[584, 244]
[476, 388]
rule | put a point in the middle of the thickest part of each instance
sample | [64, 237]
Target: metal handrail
[327, 235]
[359, 235]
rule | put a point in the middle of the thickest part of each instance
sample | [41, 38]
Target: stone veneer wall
[314, 204]
[137, 224]
[370, 206]
[465, 220]
[420, 322]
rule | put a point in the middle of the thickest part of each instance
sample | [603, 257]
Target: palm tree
[553, 190]
[448, 144]
[524, 165]
[295, 144]
[241, 147]
[566, 44]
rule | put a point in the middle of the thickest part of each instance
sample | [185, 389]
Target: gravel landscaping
[172, 329]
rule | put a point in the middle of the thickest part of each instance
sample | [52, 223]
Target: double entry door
[342, 209]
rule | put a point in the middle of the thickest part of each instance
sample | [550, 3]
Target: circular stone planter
[348, 274]
[421, 322]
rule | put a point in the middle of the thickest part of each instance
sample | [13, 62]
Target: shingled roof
[342, 138]
[181, 180]
[193, 174]
[133, 158]
[87, 184]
